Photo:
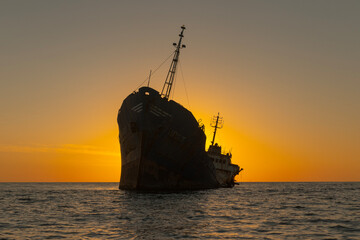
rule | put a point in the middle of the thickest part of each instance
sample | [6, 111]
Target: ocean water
[247, 211]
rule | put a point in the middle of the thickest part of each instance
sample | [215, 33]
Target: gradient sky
[285, 75]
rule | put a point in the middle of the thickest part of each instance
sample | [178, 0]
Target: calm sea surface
[249, 211]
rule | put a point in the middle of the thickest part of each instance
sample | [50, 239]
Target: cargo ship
[163, 145]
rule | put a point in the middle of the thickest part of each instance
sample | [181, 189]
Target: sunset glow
[284, 76]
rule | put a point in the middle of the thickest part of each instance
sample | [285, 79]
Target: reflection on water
[250, 210]
[167, 215]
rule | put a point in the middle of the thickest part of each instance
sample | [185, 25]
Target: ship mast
[217, 123]
[166, 90]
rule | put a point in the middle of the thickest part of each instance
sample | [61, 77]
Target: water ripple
[248, 211]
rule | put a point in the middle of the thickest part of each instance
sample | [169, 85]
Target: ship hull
[162, 145]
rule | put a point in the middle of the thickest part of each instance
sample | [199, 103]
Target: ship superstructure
[225, 170]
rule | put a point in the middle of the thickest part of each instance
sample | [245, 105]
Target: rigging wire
[182, 75]
[174, 84]
[153, 72]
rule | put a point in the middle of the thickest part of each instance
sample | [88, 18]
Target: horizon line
[236, 182]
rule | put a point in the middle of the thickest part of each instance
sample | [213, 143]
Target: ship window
[147, 93]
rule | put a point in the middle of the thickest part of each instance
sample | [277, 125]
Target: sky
[284, 75]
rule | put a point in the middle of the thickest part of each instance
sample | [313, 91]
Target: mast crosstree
[166, 90]
[217, 122]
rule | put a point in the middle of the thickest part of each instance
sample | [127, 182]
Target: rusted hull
[162, 146]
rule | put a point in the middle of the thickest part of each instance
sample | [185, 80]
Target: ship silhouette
[163, 145]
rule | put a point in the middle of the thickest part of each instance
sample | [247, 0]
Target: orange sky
[284, 75]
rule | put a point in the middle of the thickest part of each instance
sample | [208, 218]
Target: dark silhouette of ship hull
[162, 145]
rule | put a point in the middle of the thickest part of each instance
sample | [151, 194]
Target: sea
[248, 211]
